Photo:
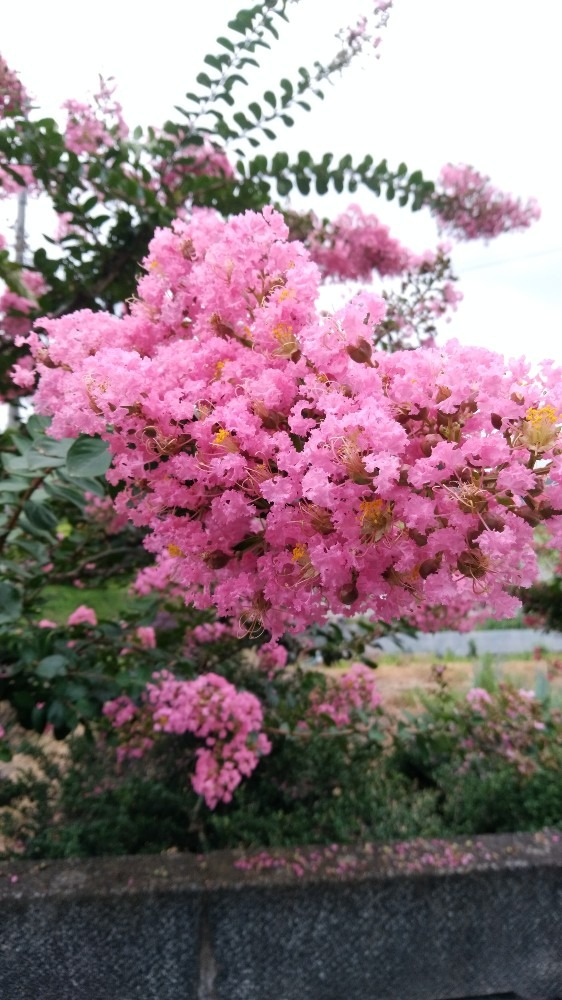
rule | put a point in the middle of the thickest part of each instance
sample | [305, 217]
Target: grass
[108, 601]
[405, 679]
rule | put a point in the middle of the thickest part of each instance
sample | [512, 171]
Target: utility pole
[12, 414]
[20, 226]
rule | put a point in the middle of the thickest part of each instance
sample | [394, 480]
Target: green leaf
[90, 203]
[14, 485]
[88, 457]
[280, 161]
[204, 80]
[241, 120]
[287, 87]
[216, 61]
[10, 603]
[40, 517]
[52, 666]
[68, 494]
[82, 483]
[37, 425]
[270, 97]
[226, 43]
[258, 165]
[14, 464]
[256, 110]
[234, 78]
[284, 185]
[56, 714]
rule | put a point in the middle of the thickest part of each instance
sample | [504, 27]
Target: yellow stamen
[221, 436]
[540, 429]
[375, 518]
[175, 551]
[546, 415]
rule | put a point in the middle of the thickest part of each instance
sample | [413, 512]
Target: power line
[512, 260]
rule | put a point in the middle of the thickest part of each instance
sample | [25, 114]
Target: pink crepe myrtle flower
[146, 636]
[83, 615]
[227, 721]
[469, 207]
[94, 125]
[478, 697]
[13, 95]
[354, 691]
[288, 467]
[8, 183]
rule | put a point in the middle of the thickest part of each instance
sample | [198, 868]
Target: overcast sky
[476, 82]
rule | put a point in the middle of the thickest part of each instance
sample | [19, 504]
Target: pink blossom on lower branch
[226, 720]
[82, 616]
[354, 691]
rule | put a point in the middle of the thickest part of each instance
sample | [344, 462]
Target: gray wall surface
[500, 642]
[428, 920]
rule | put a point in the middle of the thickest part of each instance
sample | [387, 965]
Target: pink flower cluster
[283, 468]
[426, 294]
[211, 632]
[462, 615]
[91, 126]
[158, 577]
[15, 316]
[205, 160]
[469, 207]
[8, 183]
[228, 721]
[83, 616]
[13, 96]
[353, 692]
[365, 31]
[509, 723]
[354, 245]
[100, 511]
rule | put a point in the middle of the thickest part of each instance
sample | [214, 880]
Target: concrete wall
[498, 642]
[422, 921]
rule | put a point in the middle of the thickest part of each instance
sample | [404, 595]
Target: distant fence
[501, 642]
[422, 921]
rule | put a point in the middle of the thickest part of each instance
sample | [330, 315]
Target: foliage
[377, 778]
